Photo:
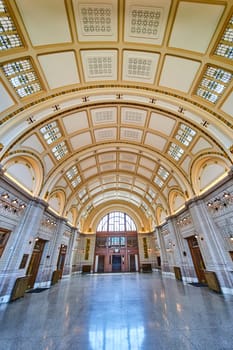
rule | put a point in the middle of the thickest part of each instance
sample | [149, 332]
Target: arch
[176, 200]
[160, 215]
[207, 170]
[91, 222]
[26, 170]
[72, 215]
[116, 221]
[56, 201]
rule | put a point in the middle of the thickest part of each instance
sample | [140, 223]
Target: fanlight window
[116, 222]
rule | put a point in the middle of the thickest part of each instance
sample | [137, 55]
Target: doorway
[197, 258]
[116, 263]
[101, 263]
[35, 262]
[61, 259]
[132, 263]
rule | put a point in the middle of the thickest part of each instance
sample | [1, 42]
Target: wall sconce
[10, 204]
[220, 202]
[169, 246]
[49, 223]
[185, 221]
[231, 238]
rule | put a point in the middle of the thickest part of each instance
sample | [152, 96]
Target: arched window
[116, 222]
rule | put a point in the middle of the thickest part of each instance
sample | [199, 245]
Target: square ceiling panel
[127, 167]
[131, 134]
[90, 172]
[96, 190]
[96, 20]
[144, 172]
[104, 115]
[128, 157]
[105, 134]
[37, 14]
[125, 179]
[108, 179]
[139, 191]
[94, 185]
[195, 25]
[159, 122]
[140, 184]
[107, 167]
[155, 141]
[146, 22]
[125, 186]
[87, 163]
[107, 157]
[99, 64]
[139, 66]
[5, 101]
[60, 69]
[178, 73]
[81, 140]
[147, 163]
[75, 122]
[134, 116]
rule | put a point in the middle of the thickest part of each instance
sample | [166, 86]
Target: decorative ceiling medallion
[99, 64]
[145, 22]
[96, 19]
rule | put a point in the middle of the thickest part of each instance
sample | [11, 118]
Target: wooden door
[61, 259]
[132, 264]
[101, 263]
[35, 262]
[197, 258]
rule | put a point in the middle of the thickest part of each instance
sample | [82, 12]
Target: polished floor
[118, 312]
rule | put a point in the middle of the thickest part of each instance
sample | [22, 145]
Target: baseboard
[227, 290]
[189, 279]
[46, 284]
[168, 274]
[5, 299]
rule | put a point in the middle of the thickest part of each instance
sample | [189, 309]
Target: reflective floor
[118, 312]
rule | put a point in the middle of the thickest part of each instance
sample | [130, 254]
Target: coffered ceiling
[116, 102]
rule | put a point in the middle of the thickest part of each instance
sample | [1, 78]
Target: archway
[116, 248]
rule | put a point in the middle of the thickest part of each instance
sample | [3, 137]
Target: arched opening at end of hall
[116, 248]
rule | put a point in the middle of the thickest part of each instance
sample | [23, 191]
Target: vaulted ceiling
[116, 103]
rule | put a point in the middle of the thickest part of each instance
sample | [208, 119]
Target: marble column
[56, 244]
[211, 245]
[22, 242]
[70, 251]
[164, 258]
